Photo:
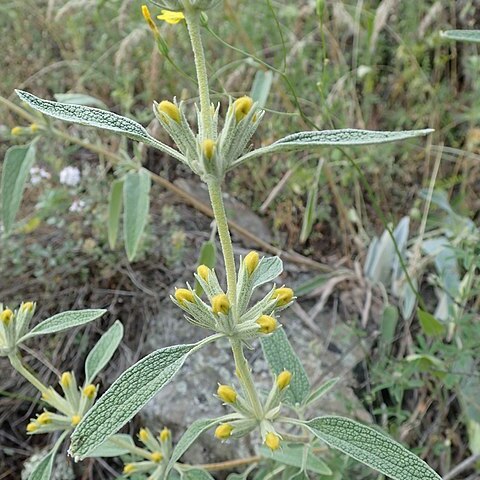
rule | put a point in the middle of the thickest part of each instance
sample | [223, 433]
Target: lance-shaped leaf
[332, 138]
[196, 474]
[16, 165]
[96, 117]
[136, 197]
[191, 434]
[371, 448]
[281, 356]
[462, 35]
[115, 446]
[127, 395]
[63, 321]
[103, 351]
[43, 470]
[114, 210]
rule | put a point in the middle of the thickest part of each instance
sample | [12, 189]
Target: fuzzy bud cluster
[13, 326]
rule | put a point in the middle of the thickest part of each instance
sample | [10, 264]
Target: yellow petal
[171, 17]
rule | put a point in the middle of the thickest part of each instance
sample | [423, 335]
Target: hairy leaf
[462, 35]
[16, 165]
[267, 270]
[126, 396]
[281, 356]
[371, 448]
[43, 470]
[321, 390]
[110, 448]
[103, 351]
[114, 210]
[196, 474]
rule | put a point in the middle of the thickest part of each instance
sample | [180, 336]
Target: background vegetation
[364, 64]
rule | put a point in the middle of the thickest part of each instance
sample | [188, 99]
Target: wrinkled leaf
[16, 166]
[371, 448]
[79, 99]
[126, 396]
[103, 351]
[114, 210]
[281, 356]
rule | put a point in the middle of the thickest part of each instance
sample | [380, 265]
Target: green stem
[245, 376]
[193, 23]
[226, 242]
[17, 364]
[140, 452]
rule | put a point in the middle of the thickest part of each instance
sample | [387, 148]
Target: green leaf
[196, 474]
[208, 257]
[311, 208]
[79, 99]
[190, 435]
[292, 454]
[262, 83]
[110, 449]
[95, 117]
[430, 325]
[267, 270]
[136, 197]
[114, 210]
[16, 165]
[281, 356]
[332, 138]
[43, 470]
[321, 390]
[462, 35]
[103, 351]
[126, 396]
[387, 328]
[64, 321]
[371, 448]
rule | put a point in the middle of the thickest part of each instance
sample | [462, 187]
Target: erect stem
[17, 364]
[192, 18]
[226, 242]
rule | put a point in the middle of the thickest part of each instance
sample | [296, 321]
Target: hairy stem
[17, 364]
[118, 442]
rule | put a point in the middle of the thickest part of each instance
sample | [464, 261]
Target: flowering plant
[228, 311]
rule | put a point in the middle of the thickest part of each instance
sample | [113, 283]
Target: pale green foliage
[463, 35]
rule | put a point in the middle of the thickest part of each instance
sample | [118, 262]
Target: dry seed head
[223, 431]
[227, 393]
[267, 324]
[170, 110]
[284, 379]
[251, 262]
[75, 420]
[165, 434]
[242, 107]
[220, 304]
[184, 295]
[6, 316]
[208, 147]
[272, 441]
[203, 272]
[283, 295]
[156, 457]
[89, 391]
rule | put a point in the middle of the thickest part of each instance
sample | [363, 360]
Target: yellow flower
[89, 391]
[16, 131]
[272, 441]
[203, 272]
[143, 434]
[148, 18]
[156, 457]
[34, 128]
[227, 393]
[27, 307]
[76, 420]
[44, 418]
[170, 110]
[165, 434]
[267, 324]
[129, 468]
[251, 262]
[66, 379]
[220, 304]
[171, 17]
[223, 431]
[283, 380]
[32, 427]
[6, 316]
[283, 295]
[242, 107]
[208, 147]
[184, 295]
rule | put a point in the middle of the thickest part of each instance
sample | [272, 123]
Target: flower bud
[267, 324]
[165, 434]
[184, 295]
[203, 272]
[66, 379]
[223, 431]
[75, 420]
[227, 393]
[89, 391]
[129, 468]
[16, 131]
[6, 316]
[148, 18]
[156, 457]
[220, 304]
[170, 110]
[283, 295]
[44, 418]
[208, 147]
[283, 380]
[242, 107]
[27, 307]
[143, 434]
[34, 128]
[272, 441]
[251, 262]
[32, 427]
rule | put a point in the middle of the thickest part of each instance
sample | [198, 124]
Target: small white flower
[37, 175]
[70, 176]
[77, 206]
